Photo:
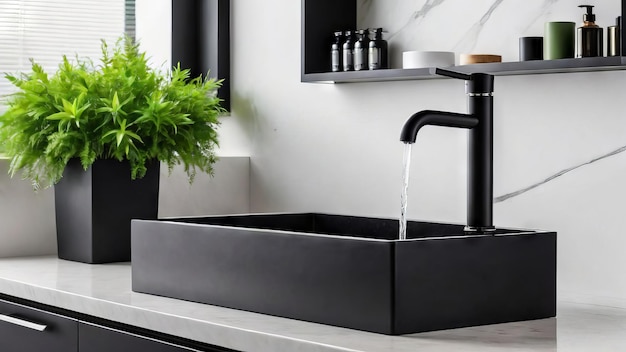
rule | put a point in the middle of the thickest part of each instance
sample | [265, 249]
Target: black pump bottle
[589, 37]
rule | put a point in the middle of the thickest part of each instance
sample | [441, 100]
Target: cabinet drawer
[94, 338]
[24, 329]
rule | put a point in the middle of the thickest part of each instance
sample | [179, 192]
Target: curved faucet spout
[436, 118]
[479, 121]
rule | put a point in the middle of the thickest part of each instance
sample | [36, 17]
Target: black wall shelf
[320, 18]
[498, 69]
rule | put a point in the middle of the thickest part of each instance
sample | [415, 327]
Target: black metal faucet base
[349, 271]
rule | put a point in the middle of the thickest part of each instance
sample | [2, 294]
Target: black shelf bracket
[622, 30]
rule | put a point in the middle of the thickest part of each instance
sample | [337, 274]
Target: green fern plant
[120, 109]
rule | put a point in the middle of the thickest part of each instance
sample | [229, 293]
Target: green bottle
[559, 40]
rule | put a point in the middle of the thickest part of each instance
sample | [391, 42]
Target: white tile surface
[105, 291]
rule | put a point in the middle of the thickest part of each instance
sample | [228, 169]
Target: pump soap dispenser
[589, 37]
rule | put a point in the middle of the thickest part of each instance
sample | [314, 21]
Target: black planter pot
[94, 209]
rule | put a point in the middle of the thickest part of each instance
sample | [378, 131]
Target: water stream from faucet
[406, 163]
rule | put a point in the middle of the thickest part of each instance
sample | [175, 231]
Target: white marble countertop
[105, 291]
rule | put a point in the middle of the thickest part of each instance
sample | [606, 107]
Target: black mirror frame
[201, 40]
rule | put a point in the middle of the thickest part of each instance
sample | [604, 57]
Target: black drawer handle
[23, 323]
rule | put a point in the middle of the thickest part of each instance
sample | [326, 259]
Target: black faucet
[479, 121]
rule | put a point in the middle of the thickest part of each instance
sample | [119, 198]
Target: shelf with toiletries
[321, 18]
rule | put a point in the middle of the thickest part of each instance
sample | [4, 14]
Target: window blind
[45, 30]
[129, 18]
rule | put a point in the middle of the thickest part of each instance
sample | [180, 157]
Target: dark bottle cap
[363, 34]
[378, 33]
[589, 16]
[350, 37]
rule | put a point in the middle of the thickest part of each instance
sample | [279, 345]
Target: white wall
[27, 225]
[335, 148]
[227, 191]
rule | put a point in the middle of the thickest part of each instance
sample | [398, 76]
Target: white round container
[420, 59]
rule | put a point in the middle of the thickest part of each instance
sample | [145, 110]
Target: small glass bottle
[348, 52]
[589, 36]
[377, 53]
[336, 52]
[361, 48]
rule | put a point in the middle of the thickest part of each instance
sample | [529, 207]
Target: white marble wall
[476, 27]
[335, 148]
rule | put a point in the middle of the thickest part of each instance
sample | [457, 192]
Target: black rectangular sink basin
[349, 271]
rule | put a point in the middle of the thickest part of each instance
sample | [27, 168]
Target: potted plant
[97, 131]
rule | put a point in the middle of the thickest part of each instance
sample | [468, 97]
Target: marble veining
[523, 190]
[417, 15]
[479, 27]
[365, 7]
[104, 291]
[545, 9]
[468, 42]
